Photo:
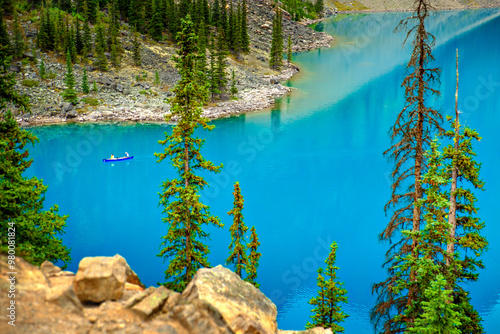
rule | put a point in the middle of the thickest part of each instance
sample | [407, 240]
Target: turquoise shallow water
[311, 170]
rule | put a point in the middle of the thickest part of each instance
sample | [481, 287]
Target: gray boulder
[243, 307]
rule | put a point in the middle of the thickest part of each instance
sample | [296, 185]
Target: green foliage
[46, 38]
[79, 44]
[41, 70]
[289, 50]
[115, 55]
[238, 256]
[100, 47]
[136, 15]
[18, 45]
[185, 215]
[92, 10]
[91, 101]
[245, 38]
[276, 53]
[327, 311]
[157, 81]
[87, 37]
[7, 83]
[319, 7]
[253, 258]
[85, 83]
[5, 44]
[30, 83]
[37, 232]
[234, 90]
[51, 75]
[94, 87]
[69, 94]
[155, 28]
[216, 21]
[219, 76]
[440, 315]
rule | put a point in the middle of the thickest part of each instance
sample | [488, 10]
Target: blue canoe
[117, 159]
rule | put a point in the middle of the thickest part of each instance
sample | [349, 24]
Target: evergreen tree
[201, 62]
[237, 30]
[115, 55]
[440, 315]
[18, 45]
[148, 10]
[411, 134]
[319, 7]
[5, 45]
[223, 20]
[136, 56]
[85, 83]
[327, 311]
[72, 45]
[253, 258]
[276, 54]
[206, 12]
[8, 94]
[46, 37]
[231, 27]
[212, 76]
[94, 87]
[157, 78]
[136, 15]
[183, 244]
[245, 38]
[216, 21]
[79, 44]
[100, 48]
[92, 10]
[234, 90]
[6, 7]
[220, 65]
[42, 71]
[155, 28]
[87, 37]
[289, 50]
[37, 232]
[69, 94]
[238, 256]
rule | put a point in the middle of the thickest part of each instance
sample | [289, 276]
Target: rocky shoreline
[250, 99]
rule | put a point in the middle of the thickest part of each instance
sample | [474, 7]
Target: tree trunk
[452, 216]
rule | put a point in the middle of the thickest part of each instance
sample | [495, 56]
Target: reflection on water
[311, 170]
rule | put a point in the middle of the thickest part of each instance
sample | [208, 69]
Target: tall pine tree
[327, 311]
[411, 134]
[253, 258]
[37, 231]
[69, 94]
[238, 229]
[183, 245]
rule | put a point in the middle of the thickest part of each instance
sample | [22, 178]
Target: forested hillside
[120, 54]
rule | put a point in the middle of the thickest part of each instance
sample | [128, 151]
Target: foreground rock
[243, 307]
[102, 278]
[216, 301]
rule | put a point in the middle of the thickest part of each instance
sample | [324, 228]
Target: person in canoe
[112, 156]
[126, 154]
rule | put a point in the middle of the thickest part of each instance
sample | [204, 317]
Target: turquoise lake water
[311, 169]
